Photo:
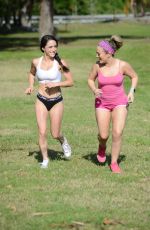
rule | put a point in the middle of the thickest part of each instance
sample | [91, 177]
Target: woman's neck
[110, 62]
[47, 58]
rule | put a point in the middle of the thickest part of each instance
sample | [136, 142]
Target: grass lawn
[78, 194]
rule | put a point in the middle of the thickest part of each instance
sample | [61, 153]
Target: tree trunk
[46, 18]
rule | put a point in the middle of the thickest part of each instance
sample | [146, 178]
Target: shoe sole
[100, 160]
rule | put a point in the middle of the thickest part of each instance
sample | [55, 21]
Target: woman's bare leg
[119, 116]
[56, 115]
[41, 116]
[103, 118]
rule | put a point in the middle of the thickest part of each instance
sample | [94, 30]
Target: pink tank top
[111, 87]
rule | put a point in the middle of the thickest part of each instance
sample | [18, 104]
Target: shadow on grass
[18, 42]
[66, 40]
[92, 157]
[52, 154]
[13, 43]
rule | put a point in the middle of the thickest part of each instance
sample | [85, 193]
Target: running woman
[48, 70]
[111, 101]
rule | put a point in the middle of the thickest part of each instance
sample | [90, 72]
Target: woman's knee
[103, 137]
[42, 134]
[56, 136]
[117, 134]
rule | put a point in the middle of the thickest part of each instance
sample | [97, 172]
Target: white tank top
[51, 75]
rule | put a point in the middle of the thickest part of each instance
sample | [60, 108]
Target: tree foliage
[18, 12]
[15, 11]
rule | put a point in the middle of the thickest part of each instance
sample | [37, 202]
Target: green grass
[78, 190]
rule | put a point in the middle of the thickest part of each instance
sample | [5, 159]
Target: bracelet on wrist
[132, 90]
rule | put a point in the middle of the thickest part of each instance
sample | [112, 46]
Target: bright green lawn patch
[127, 29]
[75, 194]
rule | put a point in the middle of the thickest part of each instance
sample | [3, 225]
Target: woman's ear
[109, 55]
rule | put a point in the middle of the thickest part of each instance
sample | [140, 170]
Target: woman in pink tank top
[111, 101]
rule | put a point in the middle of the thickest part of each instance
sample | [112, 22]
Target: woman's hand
[97, 92]
[130, 97]
[29, 90]
[51, 85]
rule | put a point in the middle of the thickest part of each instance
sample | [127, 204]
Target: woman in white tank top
[48, 70]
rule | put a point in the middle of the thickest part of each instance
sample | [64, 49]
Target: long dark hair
[43, 43]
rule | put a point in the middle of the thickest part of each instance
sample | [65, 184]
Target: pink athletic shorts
[112, 104]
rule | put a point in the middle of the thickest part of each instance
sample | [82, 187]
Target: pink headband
[106, 46]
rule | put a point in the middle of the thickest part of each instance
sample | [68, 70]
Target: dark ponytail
[64, 68]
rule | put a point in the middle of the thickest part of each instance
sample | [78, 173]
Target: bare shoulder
[35, 61]
[34, 64]
[126, 68]
[64, 62]
[123, 63]
[95, 67]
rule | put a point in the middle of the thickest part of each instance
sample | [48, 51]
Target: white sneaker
[44, 164]
[66, 148]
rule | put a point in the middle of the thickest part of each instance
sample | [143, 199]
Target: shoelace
[66, 146]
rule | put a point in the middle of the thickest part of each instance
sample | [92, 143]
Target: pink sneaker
[101, 156]
[115, 168]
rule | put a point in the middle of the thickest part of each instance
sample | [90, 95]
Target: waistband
[49, 99]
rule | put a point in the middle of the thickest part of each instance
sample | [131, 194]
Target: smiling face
[50, 48]
[102, 54]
